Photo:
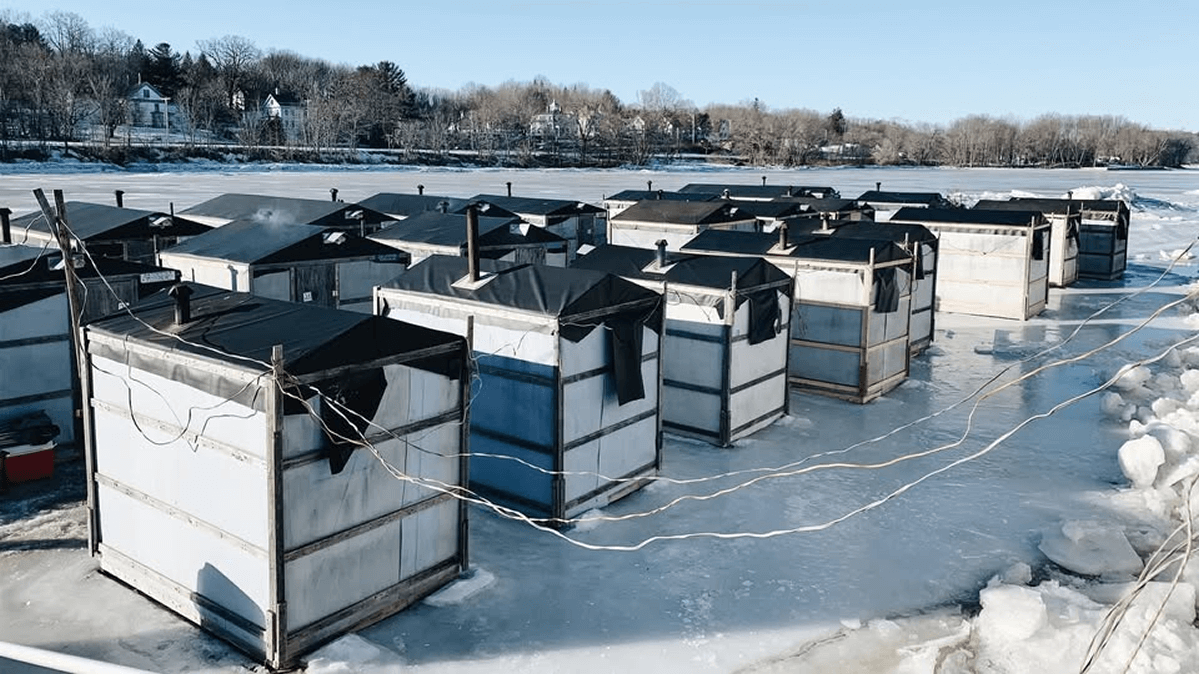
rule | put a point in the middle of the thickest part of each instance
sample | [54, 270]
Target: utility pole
[81, 392]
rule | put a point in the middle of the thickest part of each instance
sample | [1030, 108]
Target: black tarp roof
[1098, 205]
[261, 243]
[538, 205]
[802, 247]
[706, 271]
[640, 195]
[285, 210]
[688, 213]
[450, 229]
[829, 204]
[971, 216]
[893, 197]
[775, 209]
[241, 329]
[1055, 206]
[552, 291]
[99, 222]
[869, 229]
[409, 204]
[759, 191]
[20, 265]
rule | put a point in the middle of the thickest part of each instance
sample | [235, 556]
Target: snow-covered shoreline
[946, 577]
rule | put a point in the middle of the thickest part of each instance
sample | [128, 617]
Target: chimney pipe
[764, 181]
[183, 305]
[420, 189]
[877, 185]
[5, 228]
[120, 198]
[789, 191]
[824, 222]
[725, 193]
[783, 236]
[472, 243]
[509, 184]
[172, 205]
[649, 186]
[660, 257]
[659, 196]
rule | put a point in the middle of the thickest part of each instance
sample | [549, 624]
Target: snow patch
[461, 590]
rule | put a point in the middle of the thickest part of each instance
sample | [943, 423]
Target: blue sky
[912, 60]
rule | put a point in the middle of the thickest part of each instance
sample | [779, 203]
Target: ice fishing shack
[302, 263]
[1103, 232]
[850, 322]
[277, 473]
[566, 416]
[923, 246]
[1065, 221]
[990, 263]
[676, 222]
[37, 362]
[725, 343]
[233, 206]
[509, 239]
[112, 231]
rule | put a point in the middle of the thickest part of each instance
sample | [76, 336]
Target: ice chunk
[1190, 379]
[353, 654]
[1140, 459]
[1010, 613]
[1091, 548]
[1112, 404]
[1131, 377]
[462, 589]
[1019, 574]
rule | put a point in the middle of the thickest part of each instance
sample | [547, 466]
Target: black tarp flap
[887, 291]
[1039, 245]
[627, 359]
[355, 400]
[764, 316]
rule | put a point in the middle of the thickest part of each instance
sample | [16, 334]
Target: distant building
[149, 108]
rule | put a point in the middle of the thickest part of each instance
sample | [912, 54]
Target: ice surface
[863, 578]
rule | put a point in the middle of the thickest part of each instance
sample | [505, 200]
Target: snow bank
[1080, 619]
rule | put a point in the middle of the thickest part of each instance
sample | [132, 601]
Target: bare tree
[232, 56]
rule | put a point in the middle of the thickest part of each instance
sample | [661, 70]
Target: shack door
[314, 284]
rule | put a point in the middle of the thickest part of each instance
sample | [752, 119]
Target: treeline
[62, 82]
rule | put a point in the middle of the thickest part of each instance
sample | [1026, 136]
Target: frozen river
[746, 575]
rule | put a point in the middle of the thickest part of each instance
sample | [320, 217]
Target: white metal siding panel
[192, 557]
[691, 408]
[333, 578]
[159, 398]
[692, 361]
[505, 333]
[428, 537]
[754, 402]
